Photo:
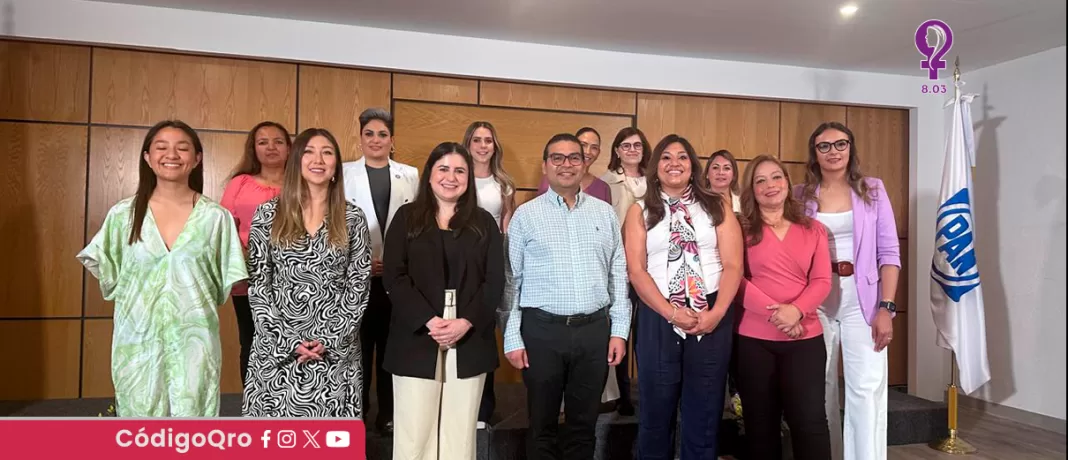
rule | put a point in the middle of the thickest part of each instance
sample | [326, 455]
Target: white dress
[489, 196]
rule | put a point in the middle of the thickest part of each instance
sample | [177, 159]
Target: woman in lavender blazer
[857, 315]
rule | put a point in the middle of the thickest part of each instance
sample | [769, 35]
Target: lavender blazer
[875, 241]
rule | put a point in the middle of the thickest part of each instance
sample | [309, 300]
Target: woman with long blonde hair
[309, 264]
[495, 190]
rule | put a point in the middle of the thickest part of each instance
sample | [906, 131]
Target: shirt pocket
[873, 276]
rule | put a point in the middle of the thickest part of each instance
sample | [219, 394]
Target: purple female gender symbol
[934, 60]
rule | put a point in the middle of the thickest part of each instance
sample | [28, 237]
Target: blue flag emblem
[954, 267]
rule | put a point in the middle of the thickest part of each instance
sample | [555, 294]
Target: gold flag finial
[956, 69]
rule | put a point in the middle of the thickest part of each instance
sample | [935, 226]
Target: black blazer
[413, 275]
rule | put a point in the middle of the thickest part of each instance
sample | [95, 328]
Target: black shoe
[625, 408]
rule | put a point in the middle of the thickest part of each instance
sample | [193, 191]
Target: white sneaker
[480, 425]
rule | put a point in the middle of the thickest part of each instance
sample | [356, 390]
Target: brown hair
[288, 225]
[814, 175]
[752, 222]
[616, 163]
[250, 164]
[734, 169]
[146, 182]
[710, 201]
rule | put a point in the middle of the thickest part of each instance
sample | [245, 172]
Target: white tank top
[840, 242]
[489, 196]
[657, 246]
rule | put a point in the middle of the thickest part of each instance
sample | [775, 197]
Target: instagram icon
[287, 439]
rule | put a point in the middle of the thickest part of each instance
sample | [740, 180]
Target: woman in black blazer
[444, 271]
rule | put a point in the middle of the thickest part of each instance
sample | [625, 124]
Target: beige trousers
[436, 419]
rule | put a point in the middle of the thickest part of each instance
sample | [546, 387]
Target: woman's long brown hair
[250, 163]
[710, 201]
[814, 175]
[146, 182]
[734, 187]
[752, 221]
[288, 225]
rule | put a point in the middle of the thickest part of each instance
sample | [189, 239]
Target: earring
[333, 178]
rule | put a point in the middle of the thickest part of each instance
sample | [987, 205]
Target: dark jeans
[673, 370]
[373, 334]
[568, 362]
[783, 378]
[246, 328]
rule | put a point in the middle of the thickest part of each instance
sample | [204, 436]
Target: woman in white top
[684, 258]
[721, 176]
[496, 194]
[857, 316]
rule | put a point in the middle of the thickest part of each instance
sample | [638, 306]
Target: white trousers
[436, 419]
[863, 436]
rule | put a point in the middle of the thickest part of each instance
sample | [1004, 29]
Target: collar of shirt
[558, 200]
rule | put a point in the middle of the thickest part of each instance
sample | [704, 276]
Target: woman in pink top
[780, 350]
[257, 179]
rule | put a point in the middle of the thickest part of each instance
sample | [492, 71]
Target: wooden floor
[994, 438]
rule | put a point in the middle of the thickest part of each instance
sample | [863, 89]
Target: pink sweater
[243, 194]
[796, 270]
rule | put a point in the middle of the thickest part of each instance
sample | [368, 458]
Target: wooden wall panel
[333, 98]
[96, 355]
[43, 209]
[52, 370]
[138, 88]
[796, 172]
[44, 82]
[96, 359]
[797, 122]
[556, 98]
[745, 127]
[422, 126]
[523, 196]
[114, 155]
[882, 143]
[435, 89]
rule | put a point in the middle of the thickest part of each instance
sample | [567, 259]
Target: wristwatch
[889, 305]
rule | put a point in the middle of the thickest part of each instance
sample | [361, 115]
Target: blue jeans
[673, 370]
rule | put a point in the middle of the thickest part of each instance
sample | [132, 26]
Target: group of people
[343, 271]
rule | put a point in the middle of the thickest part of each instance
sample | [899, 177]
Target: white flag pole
[953, 444]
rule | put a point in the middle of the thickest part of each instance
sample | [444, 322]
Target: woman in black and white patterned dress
[309, 264]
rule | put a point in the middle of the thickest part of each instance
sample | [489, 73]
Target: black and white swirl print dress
[311, 291]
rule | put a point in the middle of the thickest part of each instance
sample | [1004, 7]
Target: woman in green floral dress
[167, 257]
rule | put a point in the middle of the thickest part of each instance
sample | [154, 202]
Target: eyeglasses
[574, 159]
[626, 147]
[840, 145]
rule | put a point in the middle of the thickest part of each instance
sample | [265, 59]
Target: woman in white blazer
[379, 186]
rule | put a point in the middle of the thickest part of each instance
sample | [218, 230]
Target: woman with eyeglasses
[626, 180]
[858, 313]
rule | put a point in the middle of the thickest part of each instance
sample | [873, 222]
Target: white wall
[1020, 213]
[93, 22]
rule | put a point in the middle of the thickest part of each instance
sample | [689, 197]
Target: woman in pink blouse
[780, 350]
[257, 179]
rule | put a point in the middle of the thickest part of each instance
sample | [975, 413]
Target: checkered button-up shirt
[566, 262]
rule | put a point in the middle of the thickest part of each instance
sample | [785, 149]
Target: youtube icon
[337, 439]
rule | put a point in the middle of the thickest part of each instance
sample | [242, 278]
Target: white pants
[436, 419]
[864, 433]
